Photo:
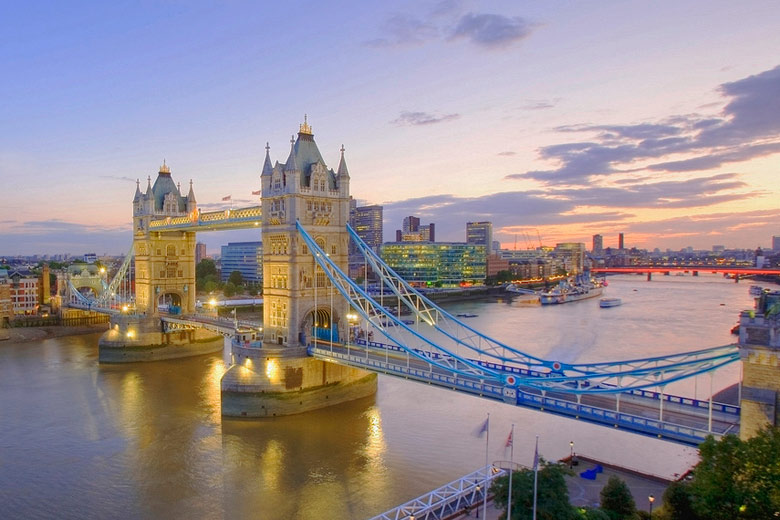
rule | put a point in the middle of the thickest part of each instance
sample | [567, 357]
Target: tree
[552, 498]
[738, 479]
[678, 502]
[205, 267]
[236, 278]
[616, 499]
[229, 289]
[210, 286]
[205, 271]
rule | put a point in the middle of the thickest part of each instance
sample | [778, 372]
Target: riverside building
[440, 263]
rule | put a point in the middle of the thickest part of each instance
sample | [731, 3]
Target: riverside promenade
[585, 492]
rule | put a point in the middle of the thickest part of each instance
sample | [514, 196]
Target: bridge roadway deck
[684, 420]
[224, 326]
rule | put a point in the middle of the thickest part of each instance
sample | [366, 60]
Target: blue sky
[659, 120]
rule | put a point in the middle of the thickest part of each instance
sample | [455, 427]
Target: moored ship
[567, 291]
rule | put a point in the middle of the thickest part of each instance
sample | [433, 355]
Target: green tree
[678, 502]
[205, 270]
[552, 497]
[738, 479]
[589, 513]
[616, 499]
[236, 278]
[229, 289]
[205, 267]
[210, 286]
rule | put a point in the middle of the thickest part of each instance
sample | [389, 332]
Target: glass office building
[244, 257]
[429, 263]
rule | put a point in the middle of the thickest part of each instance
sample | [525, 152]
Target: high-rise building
[367, 223]
[244, 257]
[598, 244]
[621, 243]
[776, 243]
[480, 233]
[428, 232]
[411, 224]
[200, 252]
[414, 232]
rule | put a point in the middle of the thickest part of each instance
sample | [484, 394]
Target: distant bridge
[642, 269]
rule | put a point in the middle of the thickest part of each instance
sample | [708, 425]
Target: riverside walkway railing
[451, 498]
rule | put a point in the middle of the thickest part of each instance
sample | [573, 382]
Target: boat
[466, 315]
[605, 303]
[567, 291]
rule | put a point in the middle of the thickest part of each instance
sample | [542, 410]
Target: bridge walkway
[682, 420]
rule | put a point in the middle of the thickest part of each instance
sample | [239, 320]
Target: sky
[554, 120]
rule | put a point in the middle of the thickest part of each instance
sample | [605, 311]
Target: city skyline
[522, 115]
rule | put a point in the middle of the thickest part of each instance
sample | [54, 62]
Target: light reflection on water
[78, 439]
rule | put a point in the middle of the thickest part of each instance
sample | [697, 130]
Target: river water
[83, 440]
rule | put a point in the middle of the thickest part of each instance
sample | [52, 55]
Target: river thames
[83, 440]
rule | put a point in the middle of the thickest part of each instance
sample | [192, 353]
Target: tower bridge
[315, 347]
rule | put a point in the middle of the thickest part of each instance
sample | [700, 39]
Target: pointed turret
[149, 186]
[138, 195]
[290, 165]
[191, 194]
[342, 171]
[267, 168]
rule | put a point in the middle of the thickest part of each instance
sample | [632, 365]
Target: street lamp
[651, 498]
[571, 454]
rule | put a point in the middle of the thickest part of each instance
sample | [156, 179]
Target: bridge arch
[321, 322]
[170, 300]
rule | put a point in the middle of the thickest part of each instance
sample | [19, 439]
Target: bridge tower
[164, 279]
[298, 299]
[164, 261]
[759, 344]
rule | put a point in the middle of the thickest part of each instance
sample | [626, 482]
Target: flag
[258, 192]
[509, 440]
[226, 198]
[482, 428]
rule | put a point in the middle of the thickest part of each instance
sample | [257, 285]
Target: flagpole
[511, 462]
[487, 441]
[536, 472]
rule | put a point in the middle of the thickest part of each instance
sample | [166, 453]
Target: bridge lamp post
[651, 499]
[571, 454]
[213, 303]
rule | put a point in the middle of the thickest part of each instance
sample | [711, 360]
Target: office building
[480, 233]
[598, 245]
[411, 224]
[413, 231]
[428, 232]
[90, 258]
[621, 243]
[367, 223]
[776, 244]
[572, 255]
[440, 263]
[200, 252]
[244, 257]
